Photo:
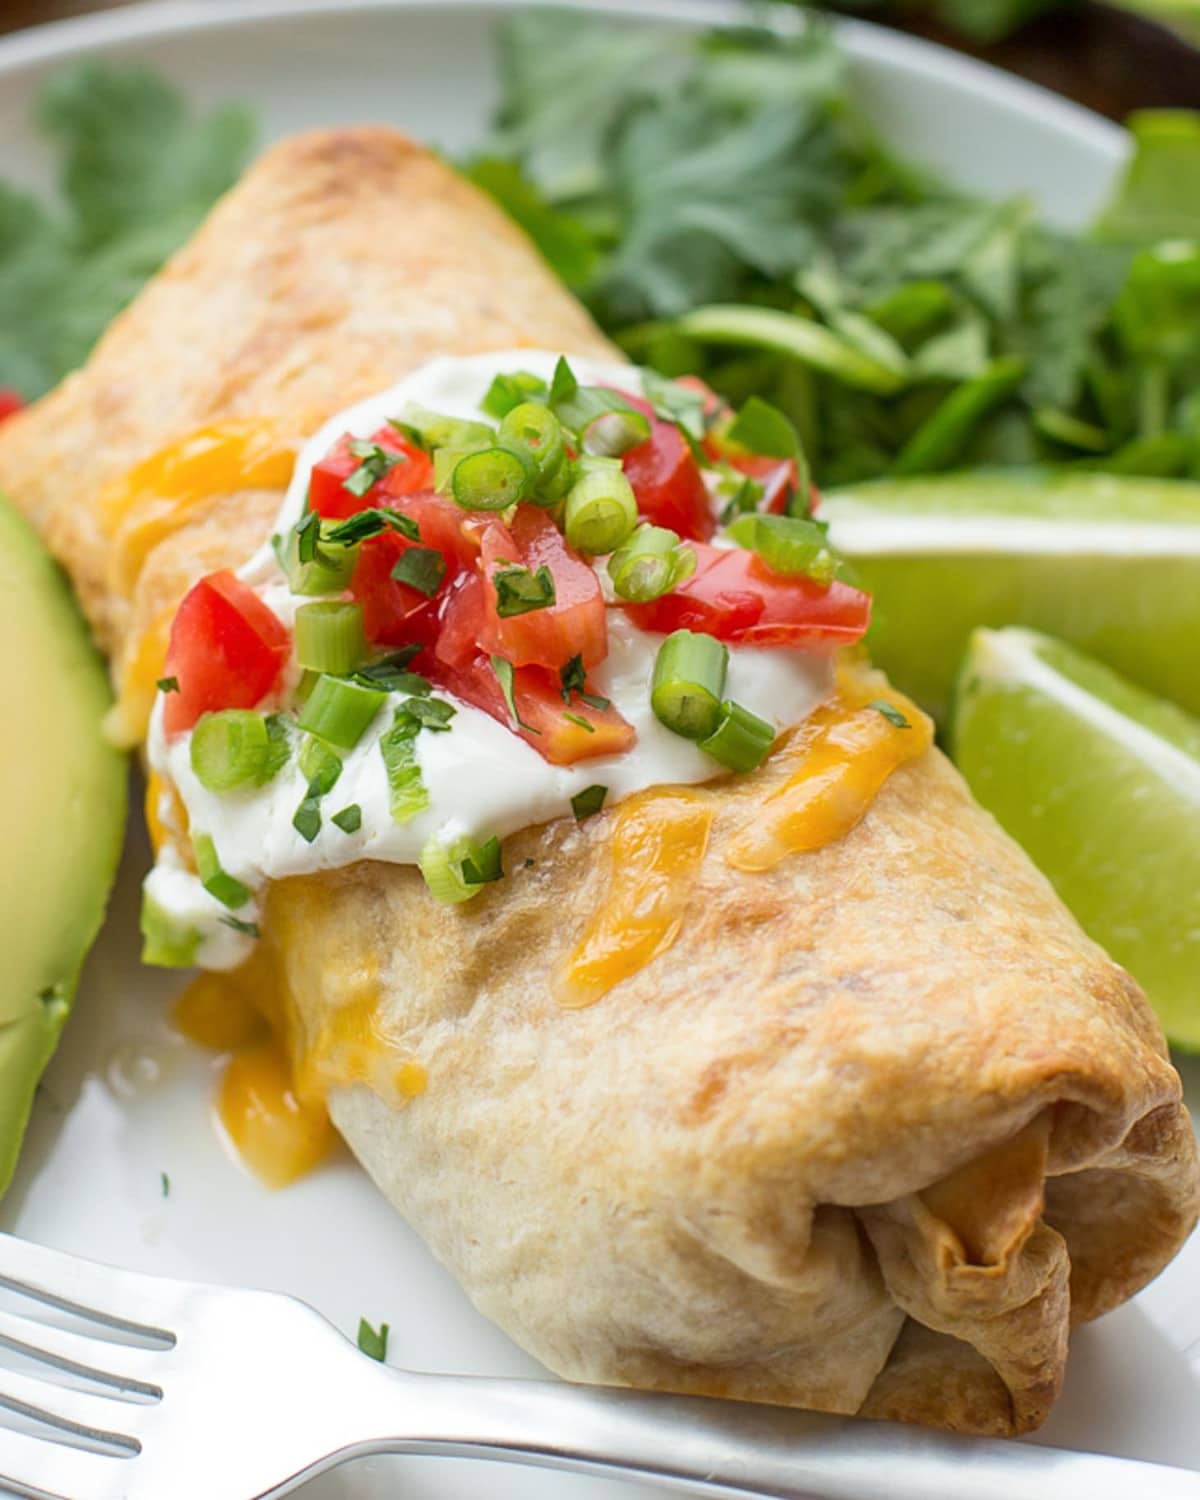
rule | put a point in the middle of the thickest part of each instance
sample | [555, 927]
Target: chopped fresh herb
[890, 712]
[308, 537]
[580, 721]
[349, 820]
[574, 680]
[307, 819]
[375, 464]
[373, 1344]
[225, 888]
[368, 523]
[165, 1182]
[675, 403]
[484, 864]
[398, 746]
[584, 804]
[389, 673]
[247, 929]
[168, 684]
[421, 568]
[518, 591]
[430, 713]
[507, 680]
[279, 747]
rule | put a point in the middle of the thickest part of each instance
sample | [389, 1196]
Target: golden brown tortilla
[877, 1127]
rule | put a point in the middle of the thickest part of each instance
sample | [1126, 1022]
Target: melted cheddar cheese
[657, 844]
[157, 496]
[834, 766]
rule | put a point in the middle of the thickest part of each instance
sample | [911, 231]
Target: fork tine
[70, 1410]
[46, 1470]
[121, 1366]
[86, 1288]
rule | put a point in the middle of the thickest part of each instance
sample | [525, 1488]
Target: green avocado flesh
[65, 794]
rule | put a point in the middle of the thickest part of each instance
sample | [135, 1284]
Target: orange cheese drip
[836, 762]
[158, 495]
[272, 1099]
[657, 844]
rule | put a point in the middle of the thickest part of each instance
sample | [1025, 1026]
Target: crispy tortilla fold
[877, 1128]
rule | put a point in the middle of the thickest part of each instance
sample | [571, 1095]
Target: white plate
[125, 1101]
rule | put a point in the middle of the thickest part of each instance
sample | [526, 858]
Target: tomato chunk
[573, 625]
[544, 723]
[327, 491]
[668, 484]
[393, 613]
[11, 402]
[227, 650]
[733, 596]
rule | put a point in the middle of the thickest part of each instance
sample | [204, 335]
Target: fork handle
[729, 1449]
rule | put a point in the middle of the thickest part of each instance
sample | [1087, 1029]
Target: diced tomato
[11, 402]
[733, 596]
[393, 613]
[573, 625]
[538, 697]
[328, 495]
[779, 477]
[227, 650]
[667, 481]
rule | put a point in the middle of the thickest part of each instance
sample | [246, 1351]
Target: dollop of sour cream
[481, 778]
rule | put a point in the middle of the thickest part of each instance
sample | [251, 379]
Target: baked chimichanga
[776, 1071]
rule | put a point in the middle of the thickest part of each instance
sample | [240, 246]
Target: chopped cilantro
[368, 523]
[247, 929]
[375, 464]
[505, 677]
[518, 591]
[373, 1344]
[168, 684]
[890, 712]
[584, 804]
[581, 722]
[421, 568]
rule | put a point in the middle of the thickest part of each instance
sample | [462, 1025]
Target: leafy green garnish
[373, 1343]
[137, 173]
[421, 568]
[890, 712]
[747, 225]
[519, 591]
[584, 804]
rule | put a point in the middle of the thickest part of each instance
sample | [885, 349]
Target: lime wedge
[1100, 782]
[1107, 562]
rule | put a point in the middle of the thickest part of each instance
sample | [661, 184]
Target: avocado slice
[64, 792]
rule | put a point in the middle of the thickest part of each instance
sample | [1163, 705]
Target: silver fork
[239, 1395]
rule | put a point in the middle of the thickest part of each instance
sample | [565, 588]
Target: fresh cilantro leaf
[372, 1342]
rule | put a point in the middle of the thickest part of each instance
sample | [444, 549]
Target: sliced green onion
[588, 802]
[433, 429]
[689, 678]
[444, 868]
[492, 479]
[398, 746]
[329, 636]
[308, 681]
[507, 391]
[229, 749]
[649, 564]
[535, 435]
[338, 711]
[320, 766]
[601, 509]
[484, 864]
[446, 460]
[741, 739]
[329, 571]
[421, 568]
[349, 820]
[518, 591]
[164, 942]
[788, 545]
[611, 433]
[224, 887]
